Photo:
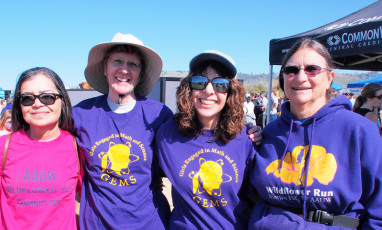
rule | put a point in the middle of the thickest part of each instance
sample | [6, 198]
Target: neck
[209, 123]
[306, 110]
[122, 98]
[367, 105]
[43, 134]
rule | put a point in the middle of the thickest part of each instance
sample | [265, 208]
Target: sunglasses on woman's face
[310, 70]
[219, 84]
[379, 97]
[44, 98]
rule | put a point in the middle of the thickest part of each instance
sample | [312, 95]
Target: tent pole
[269, 94]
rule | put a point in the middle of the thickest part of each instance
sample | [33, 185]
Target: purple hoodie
[344, 154]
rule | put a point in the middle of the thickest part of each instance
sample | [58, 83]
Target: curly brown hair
[231, 120]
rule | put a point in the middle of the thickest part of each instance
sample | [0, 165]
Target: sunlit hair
[368, 92]
[4, 117]
[65, 120]
[231, 120]
[303, 44]
[129, 50]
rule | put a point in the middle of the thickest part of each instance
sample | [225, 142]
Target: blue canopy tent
[360, 84]
[336, 86]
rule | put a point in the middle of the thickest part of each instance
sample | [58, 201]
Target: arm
[371, 166]
[372, 116]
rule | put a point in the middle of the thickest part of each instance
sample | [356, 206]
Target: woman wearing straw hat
[115, 135]
[205, 151]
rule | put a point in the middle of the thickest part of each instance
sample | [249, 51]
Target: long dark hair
[368, 91]
[231, 120]
[65, 120]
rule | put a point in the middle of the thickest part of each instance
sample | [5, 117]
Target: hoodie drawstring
[306, 167]
[286, 146]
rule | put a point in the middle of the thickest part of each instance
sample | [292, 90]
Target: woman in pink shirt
[40, 166]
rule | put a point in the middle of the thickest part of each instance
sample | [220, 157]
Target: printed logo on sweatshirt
[116, 159]
[207, 176]
[210, 177]
[322, 166]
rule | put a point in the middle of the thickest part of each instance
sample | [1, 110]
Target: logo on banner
[334, 40]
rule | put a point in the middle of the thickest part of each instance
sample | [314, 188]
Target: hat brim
[94, 72]
[204, 57]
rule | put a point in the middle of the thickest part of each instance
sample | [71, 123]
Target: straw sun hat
[94, 72]
[214, 55]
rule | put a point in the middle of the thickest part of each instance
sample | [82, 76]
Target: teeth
[122, 79]
[207, 102]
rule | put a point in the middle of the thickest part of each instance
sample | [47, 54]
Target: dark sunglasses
[379, 97]
[219, 84]
[45, 98]
[310, 70]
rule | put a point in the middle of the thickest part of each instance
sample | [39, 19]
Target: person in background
[204, 150]
[9, 104]
[40, 168]
[5, 123]
[264, 103]
[369, 100]
[332, 93]
[320, 164]
[3, 103]
[274, 103]
[351, 98]
[249, 111]
[259, 110]
[121, 189]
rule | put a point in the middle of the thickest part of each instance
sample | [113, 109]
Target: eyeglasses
[130, 64]
[219, 84]
[379, 97]
[45, 98]
[310, 70]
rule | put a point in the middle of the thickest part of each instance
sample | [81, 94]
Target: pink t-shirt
[38, 183]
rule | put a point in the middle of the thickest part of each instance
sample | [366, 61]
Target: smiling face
[307, 92]
[38, 115]
[122, 75]
[208, 103]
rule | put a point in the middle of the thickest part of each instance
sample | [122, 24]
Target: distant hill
[259, 82]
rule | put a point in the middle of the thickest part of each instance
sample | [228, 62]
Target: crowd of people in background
[368, 104]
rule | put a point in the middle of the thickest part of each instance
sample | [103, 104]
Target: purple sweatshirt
[207, 177]
[117, 149]
[342, 152]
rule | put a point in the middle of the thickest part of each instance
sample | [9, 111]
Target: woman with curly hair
[205, 151]
[370, 98]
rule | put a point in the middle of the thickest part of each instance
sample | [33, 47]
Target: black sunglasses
[45, 98]
[379, 97]
[219, 84]
[310, 70]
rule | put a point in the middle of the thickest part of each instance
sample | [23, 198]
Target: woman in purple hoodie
[320, 165]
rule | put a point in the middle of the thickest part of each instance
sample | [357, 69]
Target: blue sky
[60, 34]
